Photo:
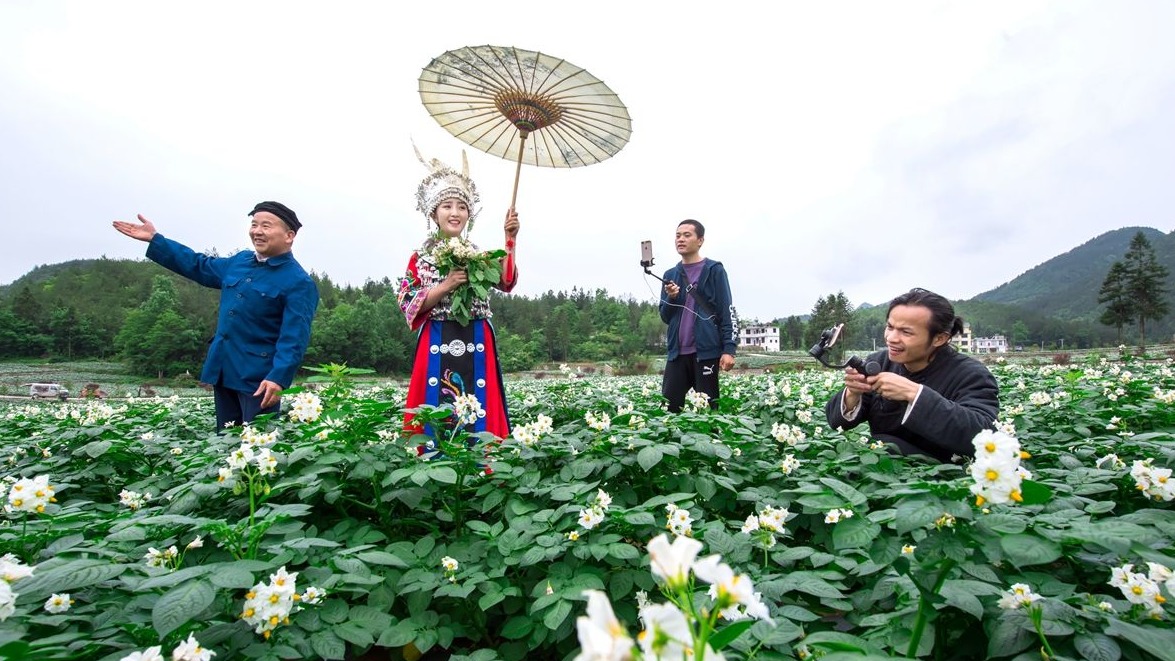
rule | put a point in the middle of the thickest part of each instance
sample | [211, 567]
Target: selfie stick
[646, 263]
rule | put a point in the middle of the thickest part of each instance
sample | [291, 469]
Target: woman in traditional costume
[454, 360]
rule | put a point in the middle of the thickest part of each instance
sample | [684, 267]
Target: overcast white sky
[864, 147]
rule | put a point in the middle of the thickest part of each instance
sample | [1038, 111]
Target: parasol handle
[518, 166]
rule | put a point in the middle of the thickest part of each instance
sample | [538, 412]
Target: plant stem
[1036, 613]
[924, 608]
[252, 502]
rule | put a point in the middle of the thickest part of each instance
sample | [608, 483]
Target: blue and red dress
[452, 358]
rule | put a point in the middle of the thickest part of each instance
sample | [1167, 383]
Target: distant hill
[1066, 286]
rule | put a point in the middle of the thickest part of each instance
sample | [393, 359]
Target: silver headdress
[443, 183]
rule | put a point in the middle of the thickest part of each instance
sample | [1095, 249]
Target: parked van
[47, 390]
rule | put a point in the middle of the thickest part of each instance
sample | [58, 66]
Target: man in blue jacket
[267, 302]
[703, 326]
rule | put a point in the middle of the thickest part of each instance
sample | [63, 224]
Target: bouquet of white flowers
[484, 270]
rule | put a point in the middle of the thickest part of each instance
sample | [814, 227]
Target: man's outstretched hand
[144, 230]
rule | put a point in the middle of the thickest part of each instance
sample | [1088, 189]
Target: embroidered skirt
[453, 360]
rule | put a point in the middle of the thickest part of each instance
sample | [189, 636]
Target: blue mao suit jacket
[263, 325]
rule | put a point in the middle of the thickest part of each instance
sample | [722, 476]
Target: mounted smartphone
[646, 253]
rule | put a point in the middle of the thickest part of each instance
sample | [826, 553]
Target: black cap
[280, 210]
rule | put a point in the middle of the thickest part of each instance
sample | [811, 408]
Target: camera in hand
[871, 368]
[828, 337]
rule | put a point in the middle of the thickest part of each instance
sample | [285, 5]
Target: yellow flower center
[1015, 495]
[992, 475]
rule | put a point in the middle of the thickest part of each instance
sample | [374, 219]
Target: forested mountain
[1066, 286]
[1054, 304]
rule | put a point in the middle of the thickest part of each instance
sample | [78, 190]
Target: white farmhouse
[758, 337]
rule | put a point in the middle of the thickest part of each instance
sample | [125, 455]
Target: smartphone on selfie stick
[647, 259]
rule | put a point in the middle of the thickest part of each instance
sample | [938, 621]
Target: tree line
[864, 326]
[160, 323]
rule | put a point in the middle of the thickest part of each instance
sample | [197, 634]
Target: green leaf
[640, 519]
[307, 542]
[442, 474]
[1149, 639]
[399, 635]
[15, 650]
[857, 532]
[478, 526]
[622, 551]
[957, 594]
[822, 502]
[354, 633]
[1000, 522]
[176, 577]
[849, 493]
[333, 611]
[1097, 647]
[837, 641]
[381, 558]
[1101, 507]
[555, 616]
[369, 618]
[533, 556]
[329, 646]
[517, 627]
[130, 534]
[620, 585]
[1034, 493]
[180, 605]
[1027, 549]
[915, 514]
[729, 634]
[706, 487]
[649, 456]
[458, 590]
[231, 577]
[1007, 637]
[68, 577]
[486, 601]
[809, 583]
[96, 449]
